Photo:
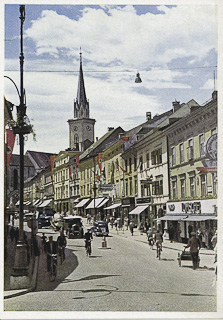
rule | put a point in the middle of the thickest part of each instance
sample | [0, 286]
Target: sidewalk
[8, 266]
[137, 236]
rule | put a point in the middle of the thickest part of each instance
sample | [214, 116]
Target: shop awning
[200, 218]
[82, 203]
[171, 217]
[102, 203]
[94, 203]
[45, 203]
[17, 203]
[36, 202]
[113, 206]
[27, 203]
[138, 209]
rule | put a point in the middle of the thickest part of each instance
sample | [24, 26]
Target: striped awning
[82, 203]
[113, 206]
[45, 203]
[94, 203]
[138, 209]
[102, 203]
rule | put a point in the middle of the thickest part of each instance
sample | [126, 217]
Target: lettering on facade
[191, 207]
[143, 200]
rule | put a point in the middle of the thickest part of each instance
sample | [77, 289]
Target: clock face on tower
[75, 128]
[88, 128]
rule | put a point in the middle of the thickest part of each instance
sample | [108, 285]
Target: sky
[174, 48]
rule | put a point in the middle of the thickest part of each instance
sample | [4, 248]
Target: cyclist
[158, 240]
[61, 243]
[87, 238]
[51, 248]
[149, 234]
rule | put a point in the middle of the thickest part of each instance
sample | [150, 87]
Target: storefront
[81, 205]
[183, 217]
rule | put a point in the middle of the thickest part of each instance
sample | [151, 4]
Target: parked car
[44, 221]
[100, 228]
[73, 226]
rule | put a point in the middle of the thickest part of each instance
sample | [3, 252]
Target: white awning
[172, 217]
[45, 203]
[82, 203]
[94, 203]
[27, 203]
[138, 209]
[17, 203]
[200, 218]
[113, 206]
[102, 203]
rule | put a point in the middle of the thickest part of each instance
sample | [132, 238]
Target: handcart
[186, 256]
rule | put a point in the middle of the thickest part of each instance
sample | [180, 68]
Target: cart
[185, 255]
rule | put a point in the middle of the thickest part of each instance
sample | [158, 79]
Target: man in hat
[51, 248]
[195, 246]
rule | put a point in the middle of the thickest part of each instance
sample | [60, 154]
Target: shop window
[181, 147]
[201, 144]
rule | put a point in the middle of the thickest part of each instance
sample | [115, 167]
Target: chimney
[110, 128]
[148, 116]
[214, 95]
[176, 105]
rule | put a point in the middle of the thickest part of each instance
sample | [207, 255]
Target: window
[183, 186]
[192, 186]
[157, 186]
[156, 156]
[130, 164]
[135, 163]
[190, 149]
[201, 144]
[173, 156]
[126, 187]
[147, 160]
[126, 165]
[174, 188]
[141, 163]
[214, 183]
[181, 147]
[203, 185]
[136, 187]
[130, 187]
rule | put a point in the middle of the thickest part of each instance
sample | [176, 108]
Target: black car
[100, 228]
[44, 221]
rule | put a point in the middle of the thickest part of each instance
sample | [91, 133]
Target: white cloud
[209, 85]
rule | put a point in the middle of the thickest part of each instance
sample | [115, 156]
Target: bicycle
[53, 267]
[158, 249]
[88, 247]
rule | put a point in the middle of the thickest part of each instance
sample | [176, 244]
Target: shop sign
[127, 201]
[143, 200]
[191, 207]
[106, 187]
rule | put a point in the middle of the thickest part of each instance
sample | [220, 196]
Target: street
[125, 276]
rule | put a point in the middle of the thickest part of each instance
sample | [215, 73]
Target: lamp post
[19, 277]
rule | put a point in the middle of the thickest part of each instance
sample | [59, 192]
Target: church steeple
[81, 105]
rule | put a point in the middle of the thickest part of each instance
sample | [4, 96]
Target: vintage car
[73, 226]
[44, 221]
[100, 228]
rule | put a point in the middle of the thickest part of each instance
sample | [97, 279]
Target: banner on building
[10, 141]
[100, 155]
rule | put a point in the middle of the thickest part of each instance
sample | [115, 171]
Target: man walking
[195, 246]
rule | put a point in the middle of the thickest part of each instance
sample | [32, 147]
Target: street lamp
[19, 277]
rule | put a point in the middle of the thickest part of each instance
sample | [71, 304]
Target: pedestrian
[43, 242]
[171, 233]
[195, 246]
[116, 224]
[149, 234]
[51, 248]
[16, 234]
[207, 238]
[131, 228]
[214, 239]
[199, 235]
[61, 243]
[158, 240]
[190, 229]
[12, 233]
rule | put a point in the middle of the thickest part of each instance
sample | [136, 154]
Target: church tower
[81, 128]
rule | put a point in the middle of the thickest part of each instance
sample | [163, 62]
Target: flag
[96, 175]
[100, 155]
[10, 140]
[124, 171]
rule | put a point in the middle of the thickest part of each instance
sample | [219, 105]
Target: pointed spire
[81, 94]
